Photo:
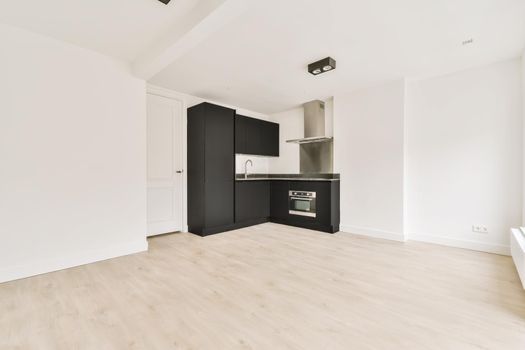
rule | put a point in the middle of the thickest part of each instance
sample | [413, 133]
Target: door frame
[162, 92]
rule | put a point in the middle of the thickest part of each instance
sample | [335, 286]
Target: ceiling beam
[205, 19]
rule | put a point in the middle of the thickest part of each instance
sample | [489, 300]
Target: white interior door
[165, 162]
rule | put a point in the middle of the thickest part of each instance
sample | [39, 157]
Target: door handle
[302, 199]
[179, 171]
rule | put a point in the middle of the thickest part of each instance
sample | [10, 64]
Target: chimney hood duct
[314, 124]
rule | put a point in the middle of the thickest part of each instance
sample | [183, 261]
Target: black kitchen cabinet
[323, 207]
[218, 203]
[279, 200]
[270, 139]
[255, 136]
[211, 168]
[240, 134]
[327, 204]
[252, 201]
[259, 201]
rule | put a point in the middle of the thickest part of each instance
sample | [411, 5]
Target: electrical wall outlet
[480, 229]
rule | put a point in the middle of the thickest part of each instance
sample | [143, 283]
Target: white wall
[291, 126]
[72, 145]
[464, 157]
[194, 100]
[260, 164]
[369, 155]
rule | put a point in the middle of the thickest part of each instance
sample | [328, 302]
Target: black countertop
[288, 177]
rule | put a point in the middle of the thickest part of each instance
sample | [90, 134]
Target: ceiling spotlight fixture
[322, 66]
[165, 2]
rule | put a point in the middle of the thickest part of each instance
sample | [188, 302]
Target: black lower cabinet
[279, 200]
[327, 206]
[219, 203]
[252, 201]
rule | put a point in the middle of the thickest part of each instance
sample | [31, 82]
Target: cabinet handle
[179, 171]
[302, 199]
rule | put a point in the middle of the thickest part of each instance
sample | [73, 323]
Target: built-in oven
[302, 203]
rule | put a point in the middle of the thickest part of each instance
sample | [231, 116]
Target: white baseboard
[365, 231]
[461, 243]
[446, 241]
[161, 228]
[71, 260]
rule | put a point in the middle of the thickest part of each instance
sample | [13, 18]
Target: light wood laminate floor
[272, 287]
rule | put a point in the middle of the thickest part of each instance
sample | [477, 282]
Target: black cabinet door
[254, 136]
[219, 145]
[196, 149]
[270, 139]
[219, 203]
[279, 200]
[252, 200]
[240, 134]
[219, 163]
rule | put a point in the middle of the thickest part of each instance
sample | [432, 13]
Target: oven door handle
[302, 199]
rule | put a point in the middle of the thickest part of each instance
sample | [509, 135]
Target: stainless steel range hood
[314, 124]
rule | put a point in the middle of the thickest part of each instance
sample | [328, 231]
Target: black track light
[322, 66]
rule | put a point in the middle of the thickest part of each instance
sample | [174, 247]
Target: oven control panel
[303, 194]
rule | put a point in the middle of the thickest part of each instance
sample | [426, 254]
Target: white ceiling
[258, 61]
[118, 28]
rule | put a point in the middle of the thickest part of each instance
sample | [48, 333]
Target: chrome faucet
[246, 167]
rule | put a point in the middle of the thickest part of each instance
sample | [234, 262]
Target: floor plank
[272, 287]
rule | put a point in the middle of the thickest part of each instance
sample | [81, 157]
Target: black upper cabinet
[219, 160]
[270, 141]
[255, 136]
[211, 168]
[240, 134]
